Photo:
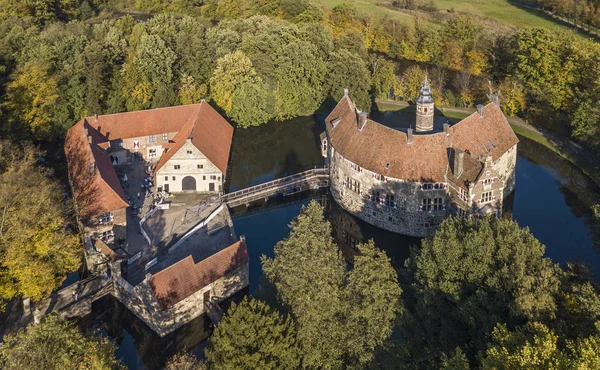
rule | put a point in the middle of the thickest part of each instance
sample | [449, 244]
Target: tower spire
[425, 108]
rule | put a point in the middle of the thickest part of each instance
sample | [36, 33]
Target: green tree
[300, 74]
[374, 297]
[585, 122]
[154, 61]
[342, 317]
[59, 345]
[309, 273]
[346, 70]
[253, 336]
[36, 251]
[189, 91]
[470, 276]
[239, 91]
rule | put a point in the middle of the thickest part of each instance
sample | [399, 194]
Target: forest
[264, 60]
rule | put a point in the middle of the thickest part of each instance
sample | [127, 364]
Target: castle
[409, 181]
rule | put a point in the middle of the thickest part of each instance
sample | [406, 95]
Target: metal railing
[306, 178]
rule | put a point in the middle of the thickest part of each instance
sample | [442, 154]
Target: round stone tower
[425, 109]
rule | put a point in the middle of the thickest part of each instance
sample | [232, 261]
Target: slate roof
[184, 278]
[427, 158]
[102, 192]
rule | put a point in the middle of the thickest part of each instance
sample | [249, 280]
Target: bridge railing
[315, 172]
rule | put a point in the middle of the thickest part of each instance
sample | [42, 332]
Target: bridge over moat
[310, 179]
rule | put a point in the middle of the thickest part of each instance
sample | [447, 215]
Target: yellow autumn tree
[31, 96]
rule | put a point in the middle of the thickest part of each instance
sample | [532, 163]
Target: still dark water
[552, 198]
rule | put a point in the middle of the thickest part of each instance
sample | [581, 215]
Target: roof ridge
[144, 110]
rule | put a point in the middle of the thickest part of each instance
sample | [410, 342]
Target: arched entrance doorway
[188, 184]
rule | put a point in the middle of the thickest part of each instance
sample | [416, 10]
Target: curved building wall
[410, 208]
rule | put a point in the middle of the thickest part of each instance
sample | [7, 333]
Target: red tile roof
[102, 192]
[184, 278]
[95, 184]
[209, 132]
[427, 158]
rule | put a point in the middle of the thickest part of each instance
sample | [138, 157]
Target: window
[486, 197]
[213, 177]
[177, 167]
[378, 177]
[389, 200]
[488, 181]
[432, 204]
[324, 145]
[173, 178]
[200, 166]
[427, 186]
[352, 184]
[464, 195]
[166, 178]
[462, 212]
[425, 110]
[203, 177]
[375, 196]
[165, 137]
[189, 152]
[152, 153]
[356, 167]
[152, 138]
[350, 240]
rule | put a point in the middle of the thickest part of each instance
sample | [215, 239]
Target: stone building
[188, 146]
[408, 181]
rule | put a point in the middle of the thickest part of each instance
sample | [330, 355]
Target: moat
[552, 199]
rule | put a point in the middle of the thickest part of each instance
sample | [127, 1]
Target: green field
[499, 10]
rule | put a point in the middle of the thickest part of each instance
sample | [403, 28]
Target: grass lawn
[368, 6]
[509, 12]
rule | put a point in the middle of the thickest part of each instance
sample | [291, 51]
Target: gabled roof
[144, 122]
[101, 191]
[426, 158]
[472, 168]
[209, 132]
[184, 278]
[95, 183]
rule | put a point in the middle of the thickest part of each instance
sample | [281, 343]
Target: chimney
[86, 131]
[446, 129]
[495, 98]
[203, 100]
[480, 108]
[89, 139]
[457, 168]
[95, 118]
[345, 92]
[362, 120]
[409, 136]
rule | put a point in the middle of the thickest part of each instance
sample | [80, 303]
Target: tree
[342, 317]
[309, 272]
[410, 83]
[154, 62]
[184, 361]
[253, 336]
[346, 70]
[470, 276]
[56, 344]
[585, 122]
[31, 96]
[383, 77]
[535, 346]
[36, 250]
[189, 91]
[300, 74]
[512, 97]
[239, 91]
[374, 297]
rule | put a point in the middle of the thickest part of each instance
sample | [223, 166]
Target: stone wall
[191, 163]
[118, 225]
[415, 208]
[373, 203]
[141, 301]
